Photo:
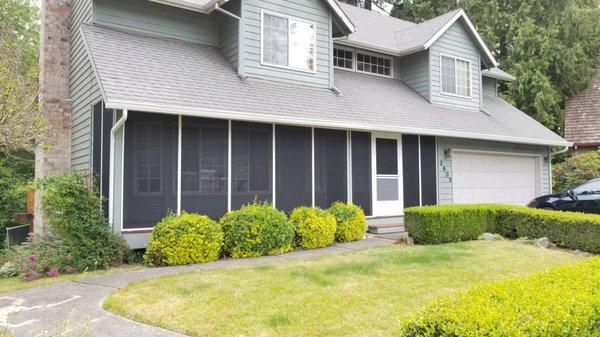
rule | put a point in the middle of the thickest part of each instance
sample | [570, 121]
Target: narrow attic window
[288, 42]
[373, 64]
[343, 58]
[456, 76]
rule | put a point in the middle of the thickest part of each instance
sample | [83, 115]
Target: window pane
[448, 75]
[204, 166]
[342, 58]
[251, 162]
[275, 40]
[302, 45]
[361, 170]
[330, 167]
[387, 156]
[387, 189]
[150, 169]
[294, 167]
[463, 79]
[373, 64]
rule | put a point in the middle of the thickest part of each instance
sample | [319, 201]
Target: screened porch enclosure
[221, 165]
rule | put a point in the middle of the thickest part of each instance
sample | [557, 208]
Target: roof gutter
[240, 68]
[563, 150]
[111, 179]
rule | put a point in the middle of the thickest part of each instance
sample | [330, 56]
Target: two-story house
[205, 105]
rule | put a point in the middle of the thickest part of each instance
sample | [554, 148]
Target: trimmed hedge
[564, 301]
[257, 229]
[184, 239]
[315, 227]
[351, 221]
[453, 223]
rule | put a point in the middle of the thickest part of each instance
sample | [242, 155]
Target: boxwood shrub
[564, 301]
[314, 227]
[351, 223]
[451, 223]
[257, 229]
[184, 239]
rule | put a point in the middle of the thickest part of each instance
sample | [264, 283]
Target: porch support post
[273, 198]
[111, 196]
[229, 146]
[312, 155]
[179, 144]
[349, 164]
[420, 174]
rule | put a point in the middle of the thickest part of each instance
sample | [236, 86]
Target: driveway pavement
[74, 308]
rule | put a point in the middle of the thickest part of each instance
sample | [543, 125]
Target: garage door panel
[494, 178]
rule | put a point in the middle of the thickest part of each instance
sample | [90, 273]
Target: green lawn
[15, 283]
[362, 293]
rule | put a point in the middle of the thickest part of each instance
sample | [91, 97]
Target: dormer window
[288, 42]
[456, 76]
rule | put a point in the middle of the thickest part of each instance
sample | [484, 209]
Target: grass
[361, 293]
[15, 283]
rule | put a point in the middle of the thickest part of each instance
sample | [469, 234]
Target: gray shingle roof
[498, 74]
[168, 76]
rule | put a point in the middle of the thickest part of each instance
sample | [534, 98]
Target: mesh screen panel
[293, 164]
[330, 167]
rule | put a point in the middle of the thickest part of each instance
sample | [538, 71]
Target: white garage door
[479, 177]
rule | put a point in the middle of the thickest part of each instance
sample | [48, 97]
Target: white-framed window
[456, 76]
[373, 64]
[343, 58]
[288, 42]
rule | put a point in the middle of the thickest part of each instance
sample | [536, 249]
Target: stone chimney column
[53, 154]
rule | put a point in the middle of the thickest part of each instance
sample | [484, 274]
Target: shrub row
[564, 301]
[453, 223]
[253, 230]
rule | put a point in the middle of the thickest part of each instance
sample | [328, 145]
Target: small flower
[33, 258]
[30, 275]
[53, 272]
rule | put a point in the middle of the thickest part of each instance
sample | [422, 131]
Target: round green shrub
[315, 227]
[257, 229]
[350, 220]
[184, 239]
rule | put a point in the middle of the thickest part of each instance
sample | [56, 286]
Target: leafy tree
[20, 123]
[421, 10]
[16, 171]
[576, 170]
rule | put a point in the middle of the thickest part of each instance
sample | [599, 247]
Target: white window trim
[288, 17]
[353, 51]
[470, 96]
[364, 52]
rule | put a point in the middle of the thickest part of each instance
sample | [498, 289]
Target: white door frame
[386, 208]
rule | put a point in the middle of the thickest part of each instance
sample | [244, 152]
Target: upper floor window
[373, 64]
[343, 58]
[288, 42]
[456, 76]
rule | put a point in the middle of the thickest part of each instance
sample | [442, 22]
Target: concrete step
[385, 220]
[386, 228]
[393, 236]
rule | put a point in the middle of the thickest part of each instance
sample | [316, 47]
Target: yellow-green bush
[184, 239]
[350, 220]
[314, 227]
[564, 301]
[257, 229]
[452, 223]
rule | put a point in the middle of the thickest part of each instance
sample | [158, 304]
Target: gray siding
[414, 71]
[159, 20]
[445, 164]
[229, 33]
[310, 10]
[457, 42]
[84, 90]
[489, 87]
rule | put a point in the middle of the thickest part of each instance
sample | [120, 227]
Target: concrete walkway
[74, 308]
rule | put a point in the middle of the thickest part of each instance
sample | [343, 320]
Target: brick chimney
[53, 154]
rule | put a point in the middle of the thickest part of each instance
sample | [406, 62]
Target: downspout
[111, 190]
[218, 8]
[550, 154]
[563, 150]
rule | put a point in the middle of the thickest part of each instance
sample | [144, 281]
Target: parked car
[583, 198]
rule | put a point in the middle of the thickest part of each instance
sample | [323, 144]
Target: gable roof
[498, 73]
[390, 35]
[207, 6]
[582, 118]
[160, 75]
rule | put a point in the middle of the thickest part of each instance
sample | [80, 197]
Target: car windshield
[592, 187]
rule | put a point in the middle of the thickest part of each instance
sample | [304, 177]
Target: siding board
[414, 71]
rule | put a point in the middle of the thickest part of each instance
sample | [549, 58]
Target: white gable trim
[461, 14]
[339, 12]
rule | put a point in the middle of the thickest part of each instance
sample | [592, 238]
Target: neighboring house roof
[582, 119]
[207, 6]
[160, 75]
[498, 73]
[399, 37]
